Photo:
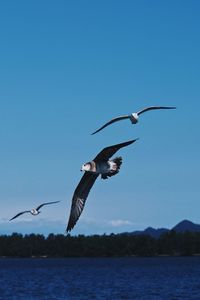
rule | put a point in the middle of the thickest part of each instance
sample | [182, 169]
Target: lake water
[159, 278]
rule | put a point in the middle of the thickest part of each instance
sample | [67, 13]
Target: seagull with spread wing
[134, 116]
[34, 211]
[100, 165]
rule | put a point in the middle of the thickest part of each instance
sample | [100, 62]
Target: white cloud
[85, 225]
[32, 225]
[119, 222]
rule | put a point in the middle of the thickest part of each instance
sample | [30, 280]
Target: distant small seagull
[134, 116]
[34, 211]
[100, 165]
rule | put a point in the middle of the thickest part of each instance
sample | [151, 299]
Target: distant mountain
[183, 226]
[150, 231]
[186, 225]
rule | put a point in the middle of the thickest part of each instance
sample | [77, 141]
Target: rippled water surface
[169, 278]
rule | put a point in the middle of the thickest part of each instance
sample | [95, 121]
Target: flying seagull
[134, 116]
[100, 165]
[34, 211]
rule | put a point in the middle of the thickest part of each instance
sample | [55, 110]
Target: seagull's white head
[86, 167]
[134, 118]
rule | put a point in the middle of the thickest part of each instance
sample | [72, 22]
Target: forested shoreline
[37, 245]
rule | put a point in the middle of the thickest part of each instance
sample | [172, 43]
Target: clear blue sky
[69, 66]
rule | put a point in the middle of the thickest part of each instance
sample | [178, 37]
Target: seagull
[34, 211]
[134, 116]
[100, 165]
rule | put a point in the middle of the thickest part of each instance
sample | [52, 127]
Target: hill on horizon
[181, 227]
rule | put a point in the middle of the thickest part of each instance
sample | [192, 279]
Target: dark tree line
[36, 245]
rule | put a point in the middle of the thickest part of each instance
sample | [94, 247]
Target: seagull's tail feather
[118, 161]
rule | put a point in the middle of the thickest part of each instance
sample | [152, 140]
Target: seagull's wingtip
[136, 139]
[93, 133]
[170, 107]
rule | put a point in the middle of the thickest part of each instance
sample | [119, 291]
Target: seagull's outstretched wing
[108, 152]
[112, 121]
[79, 198]
[47, 203]
[86, 183]
[154, 108]
[19, 214]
